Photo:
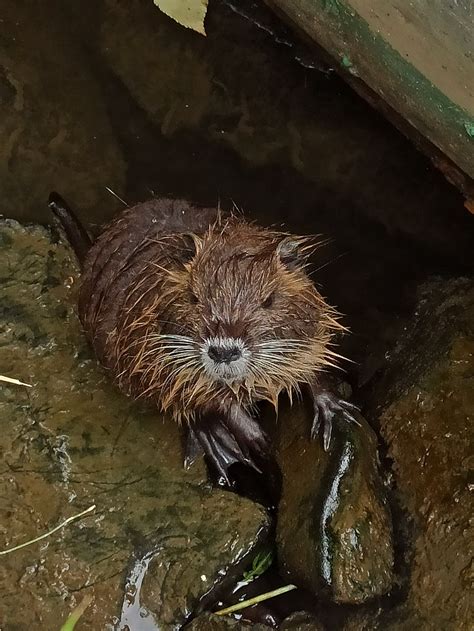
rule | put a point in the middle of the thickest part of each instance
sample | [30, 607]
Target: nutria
[204, 315]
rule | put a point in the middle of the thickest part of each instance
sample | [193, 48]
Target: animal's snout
[225, 359]
[223, 354]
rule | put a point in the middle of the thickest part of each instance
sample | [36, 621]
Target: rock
[296, 622]
[71, 441]
[233, 90]
[334, 531]
[210, 622]
[366, 621]
[425, 404]
[173, 81]
[301, 621]
[54, 128]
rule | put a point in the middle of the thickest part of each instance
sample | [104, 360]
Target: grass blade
[77, 613]
[17, 382]
[50, 532]
[256, 599]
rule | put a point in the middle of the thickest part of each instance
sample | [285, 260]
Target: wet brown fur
[165, 275]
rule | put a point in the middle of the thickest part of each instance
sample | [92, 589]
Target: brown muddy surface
[71, 441]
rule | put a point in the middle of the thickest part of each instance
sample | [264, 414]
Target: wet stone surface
[425, 404]
[334, 529]
[300, 621]
[160, 534]
[210, 622]
[54, 125]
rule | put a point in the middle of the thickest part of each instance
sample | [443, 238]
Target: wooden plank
[417, 56]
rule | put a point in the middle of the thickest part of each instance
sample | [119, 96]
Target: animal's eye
[268, 300]
[193, 299]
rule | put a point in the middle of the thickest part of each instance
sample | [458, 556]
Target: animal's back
[118, 264]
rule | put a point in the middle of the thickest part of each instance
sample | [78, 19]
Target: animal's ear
[191, 245]
[292, 251]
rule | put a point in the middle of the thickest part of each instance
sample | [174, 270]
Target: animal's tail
[76, 234]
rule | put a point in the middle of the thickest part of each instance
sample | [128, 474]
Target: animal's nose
[224, 355]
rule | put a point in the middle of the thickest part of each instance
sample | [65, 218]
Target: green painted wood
[417, 56]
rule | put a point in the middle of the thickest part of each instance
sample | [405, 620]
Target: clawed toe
[248, 432]
[192, 448]
[316, 421]
[226, 441]
[327, 407]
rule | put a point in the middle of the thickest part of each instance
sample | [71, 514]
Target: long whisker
[330, 262]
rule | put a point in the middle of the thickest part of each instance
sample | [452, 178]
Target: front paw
[327, 406]
[226, 440]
